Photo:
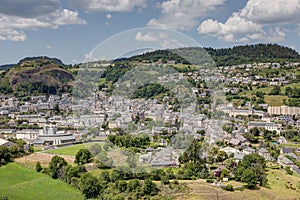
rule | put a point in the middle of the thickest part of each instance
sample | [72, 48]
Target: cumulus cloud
[12, 26]
[162, 38]
[258, 20]
[108, 5]
[183, 14]
[13, 35]
[148, 37]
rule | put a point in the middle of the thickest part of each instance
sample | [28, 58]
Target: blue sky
[71, 29]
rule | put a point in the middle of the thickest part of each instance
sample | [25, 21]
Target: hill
[18, 182]
[253, 53]
[7, 66]
[36, 75]
[222, 57]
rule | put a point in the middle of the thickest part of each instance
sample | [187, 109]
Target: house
[229, 150]
[238, 156]
[271, 126]
[166, 157]
[286, 150]
[292, 155]
[265, 153]
[145, 158]
[6, 143]
[248, 150]
[234, 141]
[296, 169]
[28, 135]
[281, 140]
[4, 112]
[284, 161]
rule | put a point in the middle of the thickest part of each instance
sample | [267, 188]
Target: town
[223, 116]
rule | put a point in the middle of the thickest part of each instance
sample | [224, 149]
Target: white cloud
[12, 27]
[13, 35]
[269, 12]
[74, 60]
[108, 16]
[89, 57]
[148, 37]
[49, 47]
[258, 20]
[108, 5]
[183, 14]
[162, 38]
[64, 17]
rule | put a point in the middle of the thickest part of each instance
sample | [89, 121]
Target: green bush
[209, 180]
[38, 166]
[228, 187]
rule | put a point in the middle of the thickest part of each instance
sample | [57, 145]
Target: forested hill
[36, 75]
[253, 53]
[225, 56]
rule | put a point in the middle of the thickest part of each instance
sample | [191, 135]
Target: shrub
[228, 187]
[209, 180]
[38, 166]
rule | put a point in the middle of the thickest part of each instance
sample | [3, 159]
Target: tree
[72, 172]
[105, 177]
[89, 186]
[103, 161]
[133, 185]
[122, 185]
[289, 171]
[221, 156]
[56, 165]
[193, 153]
[252, 171]
[5, 155]
[56, 108]
[131, 161]
[254, 131]
[149, 187]
[157, 174]
[83, 156]
[95, 149]
[38, 166]
[275, 90]
[165, 180]
[229, 188]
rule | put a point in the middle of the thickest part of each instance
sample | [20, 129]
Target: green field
[19, 182]
[71, 150]
[273, 100]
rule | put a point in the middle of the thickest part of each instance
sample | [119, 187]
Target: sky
[83, 30]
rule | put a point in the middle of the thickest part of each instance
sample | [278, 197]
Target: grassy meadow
[281, 186]
[71, 150]
[19, 182]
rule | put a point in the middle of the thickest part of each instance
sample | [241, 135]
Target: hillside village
[117, 112]
[240, 121]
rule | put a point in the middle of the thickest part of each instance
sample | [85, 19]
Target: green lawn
[19, 182]
[71, 150]
[290, 144]
[273, 100]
